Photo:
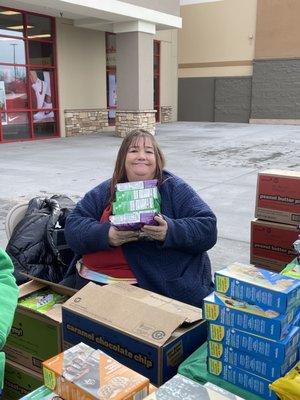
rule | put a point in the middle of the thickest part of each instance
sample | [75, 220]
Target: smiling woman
[168, 258]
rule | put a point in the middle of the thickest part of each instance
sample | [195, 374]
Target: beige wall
[81, 66]
[215, 39]
[278, 29]
[169, 72]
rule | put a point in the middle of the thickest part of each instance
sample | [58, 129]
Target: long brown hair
[119, 175]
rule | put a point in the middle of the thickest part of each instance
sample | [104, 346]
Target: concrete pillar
[134, 62]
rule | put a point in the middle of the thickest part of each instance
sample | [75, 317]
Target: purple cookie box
[145, 219]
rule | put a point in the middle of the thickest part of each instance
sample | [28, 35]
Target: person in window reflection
[42, 95]
[173, 261]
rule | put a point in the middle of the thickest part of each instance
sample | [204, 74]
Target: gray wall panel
[232, 99]
[196, 99]
[276, 89]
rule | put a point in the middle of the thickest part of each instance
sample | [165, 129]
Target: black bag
[37, 244]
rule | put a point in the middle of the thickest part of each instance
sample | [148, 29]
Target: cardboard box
[140, 329]
[137, 194]
[224, 310]
[18, 381]
[258, 286]
[41, 393]
[34, 336]
[292, 270]
[150, 183]
[257, 365]
[253, 344]
[82, 372]
[278, 196]
[182, 388]
[253, 383]
[272, 244]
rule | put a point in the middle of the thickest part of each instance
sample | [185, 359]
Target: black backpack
[37, 246]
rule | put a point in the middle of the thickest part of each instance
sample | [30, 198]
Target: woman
[8, 302]
[173, 261]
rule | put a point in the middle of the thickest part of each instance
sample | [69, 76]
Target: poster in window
[112, 95]
[41, 96]
[3, 103]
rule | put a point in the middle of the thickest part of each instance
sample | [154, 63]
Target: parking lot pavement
[220, 160]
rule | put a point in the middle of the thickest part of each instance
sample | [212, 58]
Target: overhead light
[9, 12]
[44, 35]
[18, 27]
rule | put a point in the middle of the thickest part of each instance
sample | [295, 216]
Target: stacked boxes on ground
[135, 205]
[35, 336]
[252, 339]
[277, 221]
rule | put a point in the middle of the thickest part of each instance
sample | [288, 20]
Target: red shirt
[110, 262]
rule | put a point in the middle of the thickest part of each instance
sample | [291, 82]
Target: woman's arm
[83, 231]
[195, 227]
[8, 296]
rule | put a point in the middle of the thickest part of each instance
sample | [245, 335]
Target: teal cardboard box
[238, 314]
[264, 367]
[148, 333]
[258, 286]
[274, 350]
[246, 380]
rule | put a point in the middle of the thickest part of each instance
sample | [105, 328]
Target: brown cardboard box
[272, 244]
[278, 196]
[148, 333]
[34, 336]
[82, 372]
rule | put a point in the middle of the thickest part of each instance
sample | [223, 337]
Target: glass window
[13, 89]
[41, 83]
[15, 126]
[11, 23]
[38, 27]
[40, 53]
[12, 51]
[110, 43]
[45, 128]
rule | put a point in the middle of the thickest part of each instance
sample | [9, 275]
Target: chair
[14, 216]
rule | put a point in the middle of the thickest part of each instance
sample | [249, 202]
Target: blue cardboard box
[275, 350]
[242, 378]
[258, 286]
[238, 314]
[138, 328]
[257, 365]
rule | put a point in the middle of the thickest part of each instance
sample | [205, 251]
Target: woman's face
[140, 162]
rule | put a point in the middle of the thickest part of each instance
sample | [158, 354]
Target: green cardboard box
[19, 381]
[35, 336]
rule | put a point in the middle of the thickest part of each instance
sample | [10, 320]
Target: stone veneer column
[134, 62]
[84, 122]
[127, 121]
[165, 114]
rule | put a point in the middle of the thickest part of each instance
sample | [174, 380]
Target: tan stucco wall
[168, 69]
[278, 29]
[217, 33]
[81, 66]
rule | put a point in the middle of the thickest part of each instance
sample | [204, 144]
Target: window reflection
[40, 27]
[12, 51]
[40, 53]
[15, 126]
[11, 23]
[13, 91]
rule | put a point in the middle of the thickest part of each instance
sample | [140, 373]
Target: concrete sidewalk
[219, 160]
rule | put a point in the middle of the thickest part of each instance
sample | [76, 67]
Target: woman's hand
[117, 238]
[158, 232]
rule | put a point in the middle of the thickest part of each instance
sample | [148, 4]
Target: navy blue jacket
[178, 268]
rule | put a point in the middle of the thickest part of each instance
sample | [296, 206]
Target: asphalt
[220, 160]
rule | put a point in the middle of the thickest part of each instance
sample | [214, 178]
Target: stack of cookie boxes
[252, 338]
[136, 204]
[277, 221]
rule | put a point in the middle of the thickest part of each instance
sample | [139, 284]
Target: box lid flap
[191, 313]
[113, 306]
